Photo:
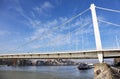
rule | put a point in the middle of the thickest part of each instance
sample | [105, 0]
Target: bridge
[101, 70]
[89, 54]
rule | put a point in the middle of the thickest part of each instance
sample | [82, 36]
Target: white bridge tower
[97, 33]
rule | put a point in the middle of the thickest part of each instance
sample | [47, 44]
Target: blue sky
[22, 21]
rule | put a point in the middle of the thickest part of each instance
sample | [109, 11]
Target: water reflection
[45, 72]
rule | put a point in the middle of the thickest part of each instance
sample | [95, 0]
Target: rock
[104, 71]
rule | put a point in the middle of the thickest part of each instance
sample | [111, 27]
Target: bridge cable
[106, 9]
[109, 23]
[66, 35]
[48, 32]
[53, 41]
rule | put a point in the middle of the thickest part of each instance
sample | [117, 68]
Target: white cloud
[19, 10]
[44, 8]
[41, 28]
[34, 23]
[45, 31]
[47, 5]
[78, 22]
[63, 19]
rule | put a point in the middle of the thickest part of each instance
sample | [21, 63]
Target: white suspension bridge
[98, 53]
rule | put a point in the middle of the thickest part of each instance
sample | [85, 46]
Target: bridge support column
[96, 32]
[117, 61]
[14, 62]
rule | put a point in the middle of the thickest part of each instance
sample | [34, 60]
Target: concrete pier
[117, 61]
[104, 71]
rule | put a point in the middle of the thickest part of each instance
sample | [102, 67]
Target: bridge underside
[65, 55]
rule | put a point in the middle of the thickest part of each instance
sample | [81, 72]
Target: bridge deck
[65, 55]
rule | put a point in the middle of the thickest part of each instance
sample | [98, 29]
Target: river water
[44, 72]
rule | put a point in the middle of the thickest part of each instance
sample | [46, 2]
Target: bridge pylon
[96, 32]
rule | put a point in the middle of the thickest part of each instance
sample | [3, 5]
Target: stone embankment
[104, 71]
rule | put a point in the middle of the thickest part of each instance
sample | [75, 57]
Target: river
[44, 72]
